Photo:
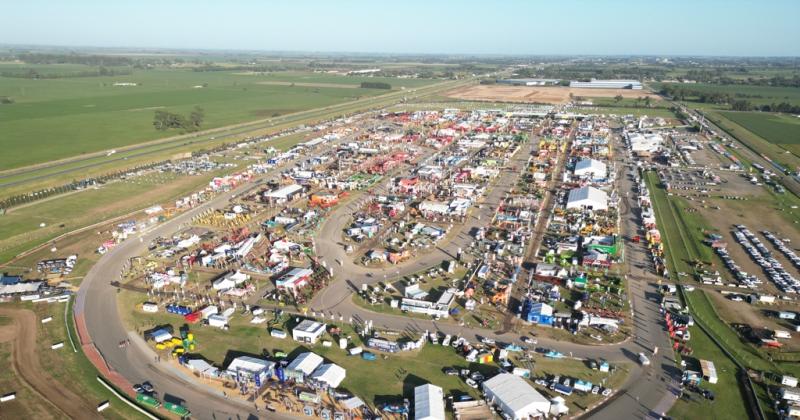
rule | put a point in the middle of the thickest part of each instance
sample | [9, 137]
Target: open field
[46, 175]
[757, 95]
[783, 130]
[534, 94]
[73, 116]
[753, 141]
[20, 228]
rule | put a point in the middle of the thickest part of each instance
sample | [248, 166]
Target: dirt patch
[25, 363]
[306, 84]
[538, 94]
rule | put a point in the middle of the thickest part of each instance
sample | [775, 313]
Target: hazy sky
[702, 27]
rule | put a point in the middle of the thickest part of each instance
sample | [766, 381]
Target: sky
[533, 27]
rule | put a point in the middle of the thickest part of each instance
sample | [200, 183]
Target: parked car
[451, 371]
[644, 360]
[606, 392]
[595, 390]
[147, 387]
[472, 383]
[476, 376]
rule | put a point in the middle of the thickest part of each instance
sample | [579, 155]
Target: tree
[618, 99]
[647, 101]
[196, 117]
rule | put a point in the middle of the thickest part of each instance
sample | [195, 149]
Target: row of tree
[375, 85]
[29, 73]
[164, 120]
[719, 77]
[17, 200]
[89, 60]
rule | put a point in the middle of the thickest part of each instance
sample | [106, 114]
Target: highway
[644, 391]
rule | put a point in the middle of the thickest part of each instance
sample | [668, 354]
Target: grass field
[783, 130]
[72, 116]
[757, 95]
[755, 142]
[20, 228]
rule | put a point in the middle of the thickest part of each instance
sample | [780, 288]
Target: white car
[595, 390]
[487, 341]
[644, 360]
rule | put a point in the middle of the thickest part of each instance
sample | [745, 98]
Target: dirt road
[25, 362]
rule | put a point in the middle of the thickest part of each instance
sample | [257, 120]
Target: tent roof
[514, 392]
[305, 362]
[330, 373]
[428, 402]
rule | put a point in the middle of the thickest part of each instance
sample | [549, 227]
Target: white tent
[592, 167]
[587, 197]
[558, 406]
[305, 362]
[516, 397]
[330, 374]
[428, 402]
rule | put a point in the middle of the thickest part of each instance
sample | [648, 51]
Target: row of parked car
[567, 386]
[745, 278]
[781, 245]
[763, 257]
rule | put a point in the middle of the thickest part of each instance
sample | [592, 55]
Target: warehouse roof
[586, 166]
[588, 196]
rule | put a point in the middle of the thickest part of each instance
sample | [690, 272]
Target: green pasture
[71, 116]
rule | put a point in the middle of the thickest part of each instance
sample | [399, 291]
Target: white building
[586, 197]
[515, 397]
[308, 331]
[247, 368]
[284, 194]
[644, 144]
[591, 168]
[607, 84]
[428, 403]
[295, 279]
[440, 308]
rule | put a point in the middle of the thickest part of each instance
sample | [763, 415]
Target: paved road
[97, 302]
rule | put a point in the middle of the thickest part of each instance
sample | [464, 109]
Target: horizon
[573, 28]
[174, 50]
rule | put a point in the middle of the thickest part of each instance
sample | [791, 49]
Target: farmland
[757, 95]
[783, 130]
[73, 116]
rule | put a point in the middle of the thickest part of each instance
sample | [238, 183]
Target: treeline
[254, 69]
[375, 85]
[164, 120]
[586, 72]
[29, 73]
[718, 77]
[89, 60]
